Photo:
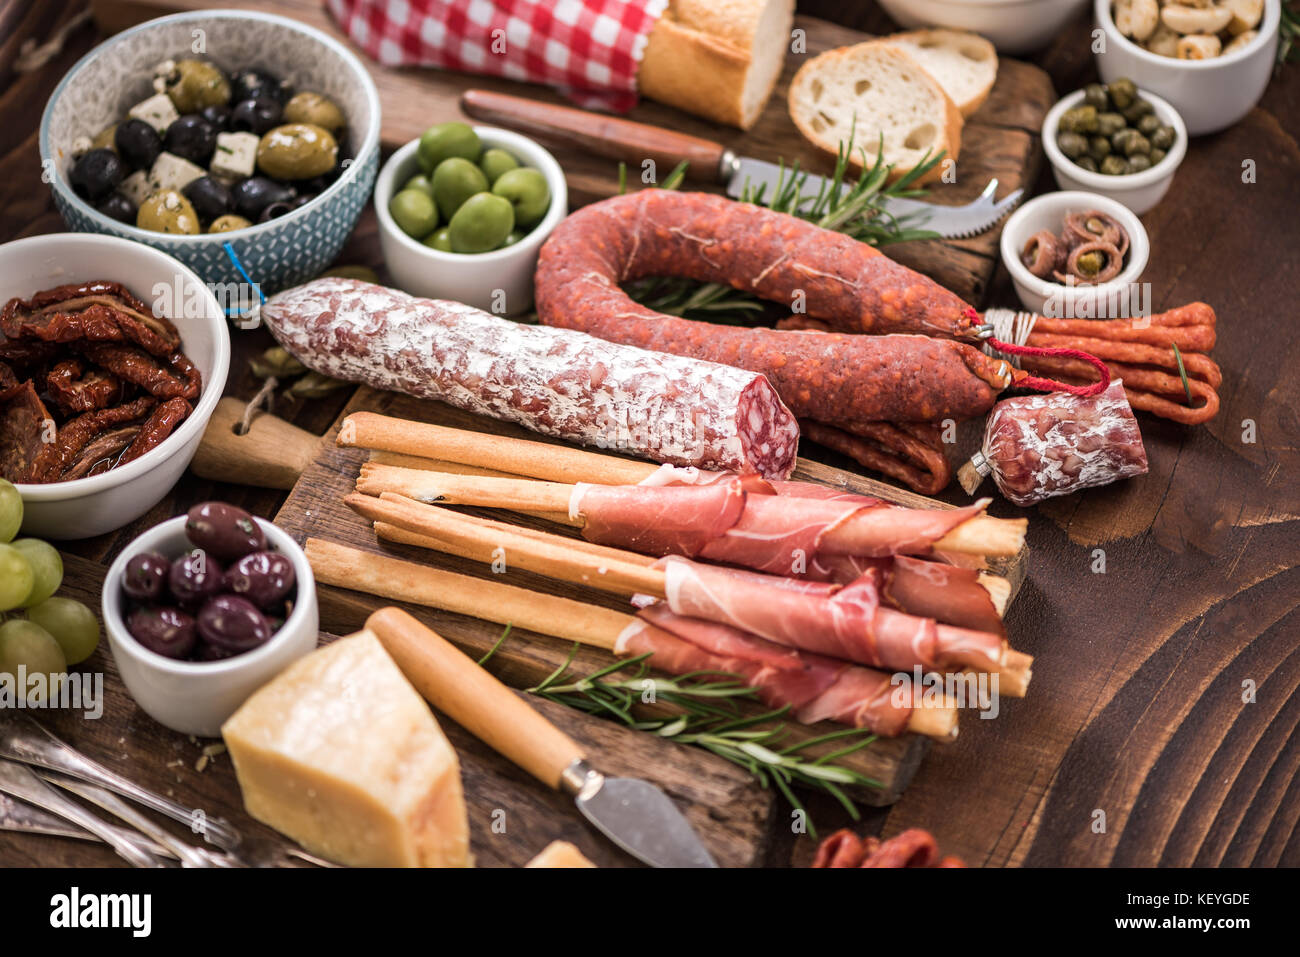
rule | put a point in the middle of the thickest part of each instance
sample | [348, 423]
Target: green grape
[73, 625]
[47, 567]
[16, 577]
[25, 643]
[11, 511]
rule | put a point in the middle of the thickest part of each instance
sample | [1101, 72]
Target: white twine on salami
[1007, 325]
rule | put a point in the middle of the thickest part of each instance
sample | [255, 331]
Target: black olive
[258, 115]
[210, 197]
[303, 199]
[248, 84]
[116, 206]
[251, 196]
[97, 173]
[218, 115]
[191, 137]
[137, 143]
[275, 211]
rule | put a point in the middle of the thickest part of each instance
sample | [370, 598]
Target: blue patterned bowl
[109, 79]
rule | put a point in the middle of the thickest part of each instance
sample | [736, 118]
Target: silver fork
[24, 740]
[21, 782]
[956, 222]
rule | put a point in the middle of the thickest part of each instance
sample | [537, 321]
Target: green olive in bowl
[526, 191]
[297, 151]
[482, 223]
[194, 84]
[454, 181]
[167, 211]
[307, 107]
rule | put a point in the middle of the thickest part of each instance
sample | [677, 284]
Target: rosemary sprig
[853, 208]
[707, 717]
[1182, 372]
[1289, 28]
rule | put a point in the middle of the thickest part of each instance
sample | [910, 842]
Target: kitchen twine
[1002, 324]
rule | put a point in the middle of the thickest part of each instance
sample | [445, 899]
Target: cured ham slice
[912, 848]
[840, 621]
[815, 688]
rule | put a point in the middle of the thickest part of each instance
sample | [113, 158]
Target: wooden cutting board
[315, 509]
[511, 815]
[1000, 140]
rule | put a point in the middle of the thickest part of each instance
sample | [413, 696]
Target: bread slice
[718, 59]
[965, 64]
[871, 90]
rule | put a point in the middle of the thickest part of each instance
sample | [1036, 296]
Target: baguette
[872, 92]
[965, 64]
[719, 59]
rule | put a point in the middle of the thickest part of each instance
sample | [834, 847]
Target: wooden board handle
[454, 684]
[271, 454]
[596, 133]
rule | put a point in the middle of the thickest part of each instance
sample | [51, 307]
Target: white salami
[671, 409]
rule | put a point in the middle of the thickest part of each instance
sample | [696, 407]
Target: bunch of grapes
[38, 629]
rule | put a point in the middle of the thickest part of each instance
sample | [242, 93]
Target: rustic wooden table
[1137, 709]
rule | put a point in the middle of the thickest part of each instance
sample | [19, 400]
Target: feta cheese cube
[158, 111]
[172, 172]
[136, 187]
[236, 155]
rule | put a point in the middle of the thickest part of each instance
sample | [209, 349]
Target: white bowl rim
[986, 3]
[146, 541]
[208, 398]
[1127, 181]
[550, 168]
[1266, 29]
[369, 143]
[1138, 240]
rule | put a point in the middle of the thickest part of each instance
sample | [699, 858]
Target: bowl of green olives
[243, 144]
[463, 212]
[1116, 140]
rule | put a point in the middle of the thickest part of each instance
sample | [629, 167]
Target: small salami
[1040, 446]
[558, 382]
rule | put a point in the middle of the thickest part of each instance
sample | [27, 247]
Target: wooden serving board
[1000, 140]
[512, 816]
[315, 509]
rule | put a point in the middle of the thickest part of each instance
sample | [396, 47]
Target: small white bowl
[1013, 26]
[196, 697]
[1211, 94]
[1138, 191]
[91, 506]
[499, 281]
[1122, 296]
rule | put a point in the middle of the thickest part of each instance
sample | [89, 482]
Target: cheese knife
[634, 814]
[709, 161]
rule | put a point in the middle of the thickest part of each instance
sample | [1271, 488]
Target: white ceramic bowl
[1212, 94]
[1138, 191]
[491, 280]
[100, 503]
[196, 697]
[1013, 26]
[1122, 296]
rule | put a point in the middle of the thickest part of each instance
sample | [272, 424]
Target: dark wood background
[1137, 708]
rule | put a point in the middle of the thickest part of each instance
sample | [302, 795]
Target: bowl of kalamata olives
[203, 609]
[263, 138]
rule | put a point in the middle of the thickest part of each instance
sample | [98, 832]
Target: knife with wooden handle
[634, 814]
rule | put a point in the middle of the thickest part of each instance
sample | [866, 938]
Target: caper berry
[1148, 124]
[1137, 109]
[1137, 143]
[1157, 155]
[1072, 145]
[1087, 162]
[1138, 163]
[1114, 165]
[1099, 148]
[1094, 94]
[1120, 139]
[1080, 119]
[1122, 92]
[1108, 124]
[1163, 138]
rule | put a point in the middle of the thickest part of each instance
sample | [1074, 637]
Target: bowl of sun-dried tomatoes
[112, 357]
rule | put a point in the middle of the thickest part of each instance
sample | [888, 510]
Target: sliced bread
[873, 90]
[718, 59]
[965, 64]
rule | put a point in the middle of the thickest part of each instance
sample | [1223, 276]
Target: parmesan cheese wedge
[560, 854]
[341, 754]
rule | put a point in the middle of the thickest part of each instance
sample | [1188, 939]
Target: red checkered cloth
[589, 49]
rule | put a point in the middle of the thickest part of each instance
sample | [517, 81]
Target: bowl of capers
[1117, 140]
